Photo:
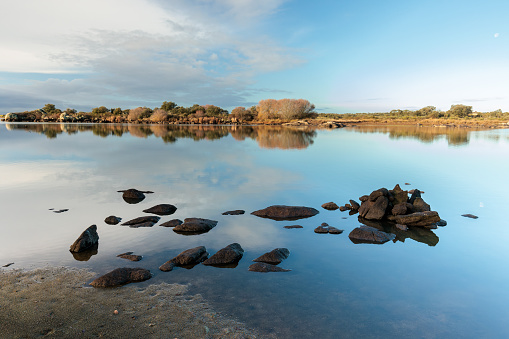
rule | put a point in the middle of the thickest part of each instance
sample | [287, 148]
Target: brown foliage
[285, 109]
[159, 115]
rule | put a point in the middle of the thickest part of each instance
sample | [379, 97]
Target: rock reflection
[419, 234]
[86, 255]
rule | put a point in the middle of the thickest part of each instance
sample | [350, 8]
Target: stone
[415, 194]
[274, 257]
[293, 226]
[402, 227]
[281, 212]
[400, 196]
[334, 230]
[324, 228]
[364, 198]
[343, 208]
[471, 216]
[370, 235]
[420, 205]
[130, 256]
[355, 205]
[377, 210]
[235, 212]
[330, 206]
[378, 193]
[229, 255]
[86, 254]
[146, 221]
[162, 209]
[112, 220]
[172, 223]
[442, 223]
[192, 256]
[133, 196]
[399, 209]
[418, 218]
[195, 225]
[264, 268]
[61, 211]
[122, 276]
[86, 240]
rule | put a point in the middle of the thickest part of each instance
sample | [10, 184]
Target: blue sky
[343, 56]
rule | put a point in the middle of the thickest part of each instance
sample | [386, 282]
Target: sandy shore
[56, 302]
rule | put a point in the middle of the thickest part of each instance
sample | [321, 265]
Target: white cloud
[496, 35]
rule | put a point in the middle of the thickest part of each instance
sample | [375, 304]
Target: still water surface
[451, 282]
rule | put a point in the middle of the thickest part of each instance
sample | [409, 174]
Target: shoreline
[57, 302]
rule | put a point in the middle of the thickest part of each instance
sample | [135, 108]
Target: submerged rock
[293, 226]
[162, 209]
[86, 240]
[324, 228]
[418, 218]
[331, 206]
[195, 226]
[471, 216]
[369, 235]
[146, 221]
[274, 257]
[192, 256]
[112, 220]
[172, 223]
[86, 254]
[231, 254]
[130, 256]
[264, 268]
[235, 212]
[281, 212]
[121, 276]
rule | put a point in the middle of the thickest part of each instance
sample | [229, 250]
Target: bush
[159, 115]
[285, 109]
[139, 113]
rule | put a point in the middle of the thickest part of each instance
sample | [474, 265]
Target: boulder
[192, 256]
[322, 229]
[146, 221]
[274, 257]
[415, 194]
[281, 212]
[121, 276]
[293, 226]
[112, 220]
[331, 206]
[235, 212]
[418, 218]
[172, 223]
[229, 255]
[343, 208]
[400, 196]
[369, 235]
[133, 196]
[442, 223]
[195, 226]
[130, 256]
[378, 193]
[334, 230]
[264, 268]
[399, 209]
[88, 239]
[355, 205]
[86, 254]
[162, 209]
[402, 227]
[420, 205]
[374, 209]
[364, 198]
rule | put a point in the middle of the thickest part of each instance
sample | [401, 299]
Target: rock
[355, 205]
[402, 227]
[133, 196]
[325, 228]
[192, 256]
[235, 212]
[343, 208]
[122, 276]
[274, 257]
[112, 220]
[334, 230]
[370, 235]
[86, 240]
[172, 223]
[470, 216]
[229, 255]
[322, 229]
[399, 209]
[61, 211]
[442, 223]
[378, 193]
[420, 205]
[399, 195]
[293, 226]
[162, 209]
[331, 206]
[86, 254]
[195, 225]
[377, 210]
[418, 218]
[9, 264]
[281, 212]
[147, 221]
[415, 194]
[263, 267]
[364, 198]
[130, 256]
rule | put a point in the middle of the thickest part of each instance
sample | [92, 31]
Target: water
[449, 282]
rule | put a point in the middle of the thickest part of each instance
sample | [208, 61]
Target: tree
[159, 115]
[50, 109]
[100, 110]
[168, 105]
[139, 113]
[116, 111]
[214, 111]
[460, 111]
[241, 113]
[426, 111]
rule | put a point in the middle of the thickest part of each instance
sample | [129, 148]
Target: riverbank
[57, 302]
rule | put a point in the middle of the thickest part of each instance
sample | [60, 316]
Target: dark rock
[9, 264]
[122, 276]
[229, 255]
[369, 235]
[195, 226]
[442, 223]
[322, 229]
[400, 196]
[274, 257]
[325, 228]
[162, 209]
[343, 208]
[406, 183]
[281, 212]
[112, 220]
[470, 216]
[235, 212]
[264, 268]
[61, 211]
[415, 194]
[399, 209]
[364, 198]
[331, 206]
[365, 206]
[355, 205]
[418, 218]
[348, 206]
[402, 227]
[192, 256]
[146, 221]
[86, 240]
[420, 205]
[86, 254]
[133, 196]
[334, 230]
[130, 256]
[293, 226]
[172, 223]
[378, 209]
[378, 193]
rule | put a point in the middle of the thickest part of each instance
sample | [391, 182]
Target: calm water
[451, 282]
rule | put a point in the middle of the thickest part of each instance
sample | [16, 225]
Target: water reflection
[419, 234]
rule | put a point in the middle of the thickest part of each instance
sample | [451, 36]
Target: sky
[343, 56]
